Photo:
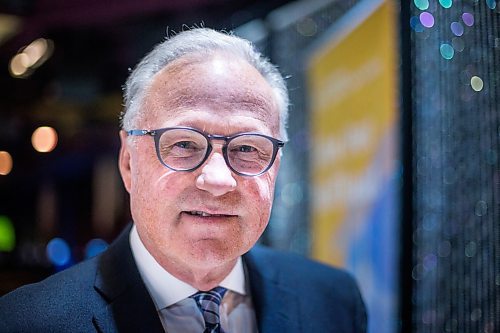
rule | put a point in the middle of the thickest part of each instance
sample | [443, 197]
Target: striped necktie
[208, 302]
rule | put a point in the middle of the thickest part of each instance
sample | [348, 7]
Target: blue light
[421, 4]
[58, 252]
[94, 247]
[416, 25]
[447, 51]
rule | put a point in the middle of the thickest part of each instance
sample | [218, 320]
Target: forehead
[221, 84]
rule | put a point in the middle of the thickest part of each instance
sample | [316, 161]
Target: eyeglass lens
[183, 149]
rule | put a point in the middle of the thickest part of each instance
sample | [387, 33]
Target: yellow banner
[352, 82]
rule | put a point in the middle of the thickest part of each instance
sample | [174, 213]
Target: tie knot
[208, 302]
[214, 295]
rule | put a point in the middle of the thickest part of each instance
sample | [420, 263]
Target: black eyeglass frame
[156, 134]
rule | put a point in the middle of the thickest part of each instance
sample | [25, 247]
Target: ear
[124, 161]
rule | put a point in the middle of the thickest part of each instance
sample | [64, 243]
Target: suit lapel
[275, 302]
[130, 307]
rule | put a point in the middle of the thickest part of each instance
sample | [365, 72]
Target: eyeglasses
[186, 149]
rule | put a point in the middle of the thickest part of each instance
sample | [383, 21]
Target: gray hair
[199, 41]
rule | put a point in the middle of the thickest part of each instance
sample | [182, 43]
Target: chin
[212, 253]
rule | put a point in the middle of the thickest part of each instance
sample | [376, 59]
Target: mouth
[205, 214]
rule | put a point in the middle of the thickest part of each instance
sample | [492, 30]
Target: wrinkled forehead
[220, 81]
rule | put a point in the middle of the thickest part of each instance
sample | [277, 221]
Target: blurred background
[392, 169]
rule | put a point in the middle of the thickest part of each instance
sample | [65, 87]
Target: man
[203, 126]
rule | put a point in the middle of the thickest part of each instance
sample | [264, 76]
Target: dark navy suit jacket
[106, 294]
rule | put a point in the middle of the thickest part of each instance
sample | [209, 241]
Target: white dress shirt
[179, 313]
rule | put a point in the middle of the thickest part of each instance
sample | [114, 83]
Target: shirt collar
[164, 288]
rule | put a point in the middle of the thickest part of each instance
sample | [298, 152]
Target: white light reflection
[31, 57]
[476, 83]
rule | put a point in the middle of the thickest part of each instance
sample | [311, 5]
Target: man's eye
[245, 149]
[185, 145]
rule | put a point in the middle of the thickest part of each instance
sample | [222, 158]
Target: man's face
[217, 94]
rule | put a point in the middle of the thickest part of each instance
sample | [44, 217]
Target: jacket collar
[275, 301]
[130, 307]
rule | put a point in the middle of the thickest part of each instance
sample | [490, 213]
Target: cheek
[265, 190]
[262, 196]
[143, 163]
[150, 182]
[158, 188]
[148, 174]
[265, 184]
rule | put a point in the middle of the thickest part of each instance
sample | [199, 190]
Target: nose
[216, 177]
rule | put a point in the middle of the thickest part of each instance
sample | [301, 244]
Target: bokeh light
[427, 19]
[468, 19]
[446, 3]
[36, 52]
[7, 234]
[19, 65]
[421, 4]
[476, 83]
[31, 57]
[470, 28]
[44, 139]
[291, 194]
[415, 24]
[5, 163]
[457, 29]
[94, 247]
[307, 27]
[447, 51]
[491, 3]
[58, 252]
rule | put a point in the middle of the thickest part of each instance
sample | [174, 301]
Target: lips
[208, 213]
[204, 214]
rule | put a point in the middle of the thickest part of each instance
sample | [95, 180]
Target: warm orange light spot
[5, 163]
[44, 139]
